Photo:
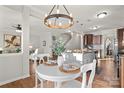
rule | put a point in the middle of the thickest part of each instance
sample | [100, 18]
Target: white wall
[15, 66]
[10, 67]
[25, 40]
[34, 41]
[75, 42]
[1, 39]
[46, 36]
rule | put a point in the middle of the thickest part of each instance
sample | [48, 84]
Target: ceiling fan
[18, 28]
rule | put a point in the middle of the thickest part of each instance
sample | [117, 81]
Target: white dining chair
[84, 83]
[40, 85]
[41, 57]
[33, 55]
[34, 58]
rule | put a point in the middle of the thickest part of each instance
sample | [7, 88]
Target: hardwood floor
[104, 78]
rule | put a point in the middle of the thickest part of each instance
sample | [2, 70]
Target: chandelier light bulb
[70, 15]
[57, 11]
[60, 24]
[50, 22]
[69, 22]
[69, 31]
[45, 15]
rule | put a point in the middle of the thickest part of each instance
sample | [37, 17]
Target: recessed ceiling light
[95, 27]
[102, 15]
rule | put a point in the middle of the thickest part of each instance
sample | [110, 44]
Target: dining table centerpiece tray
[50, 63]
[69, 68]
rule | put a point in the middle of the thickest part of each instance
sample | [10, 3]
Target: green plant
[18, 50]
[58, 47]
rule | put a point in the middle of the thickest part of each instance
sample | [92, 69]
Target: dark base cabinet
[121, 71]
[120, 37]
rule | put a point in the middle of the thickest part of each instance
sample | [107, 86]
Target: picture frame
[44, 43]
[12, 41]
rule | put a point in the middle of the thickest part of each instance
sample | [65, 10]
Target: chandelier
[55, 19]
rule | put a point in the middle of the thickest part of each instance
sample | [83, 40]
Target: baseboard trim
[14, 79]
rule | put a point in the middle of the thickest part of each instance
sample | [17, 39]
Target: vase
[60, 60]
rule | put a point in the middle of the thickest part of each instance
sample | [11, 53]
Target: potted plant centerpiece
[59, 49]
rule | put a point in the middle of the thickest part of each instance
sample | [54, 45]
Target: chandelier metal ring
[64, 26]
[57, 22]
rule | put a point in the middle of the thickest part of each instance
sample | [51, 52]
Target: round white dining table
[52, 73]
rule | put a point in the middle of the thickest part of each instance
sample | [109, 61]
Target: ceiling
[85, 14]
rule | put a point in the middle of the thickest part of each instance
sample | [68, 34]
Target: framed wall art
[12, 41]
[44, 43]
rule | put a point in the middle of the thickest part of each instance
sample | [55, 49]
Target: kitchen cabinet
[88, 39]
[97, 39]
[120, 37]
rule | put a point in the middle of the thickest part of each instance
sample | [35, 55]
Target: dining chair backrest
[33, 56]
[88, 69]
[88, 57]
[36, 51]
[45, 57]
